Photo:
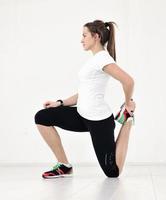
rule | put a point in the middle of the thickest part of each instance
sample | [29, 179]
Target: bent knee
[39, 117]
[112, 175]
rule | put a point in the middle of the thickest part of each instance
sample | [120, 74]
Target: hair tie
[106, 24]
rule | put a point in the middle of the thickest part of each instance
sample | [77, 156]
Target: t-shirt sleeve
[103, 60]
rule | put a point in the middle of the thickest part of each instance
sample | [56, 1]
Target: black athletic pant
[101, 131]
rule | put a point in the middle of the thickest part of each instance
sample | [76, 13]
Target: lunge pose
[87, 110]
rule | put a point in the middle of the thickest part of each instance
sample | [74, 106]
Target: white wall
[40, 55]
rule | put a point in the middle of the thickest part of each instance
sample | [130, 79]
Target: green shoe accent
[121, 119]
[56, 166]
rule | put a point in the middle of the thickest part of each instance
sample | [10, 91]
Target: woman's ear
[97, 36]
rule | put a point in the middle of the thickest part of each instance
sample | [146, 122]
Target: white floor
[88, 183]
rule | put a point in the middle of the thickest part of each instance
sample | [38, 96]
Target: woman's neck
[97, 49]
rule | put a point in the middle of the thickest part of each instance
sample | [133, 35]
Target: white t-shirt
[92, 83]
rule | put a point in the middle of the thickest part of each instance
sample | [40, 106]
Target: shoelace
[57, 166]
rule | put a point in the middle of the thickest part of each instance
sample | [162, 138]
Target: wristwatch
[60, 101]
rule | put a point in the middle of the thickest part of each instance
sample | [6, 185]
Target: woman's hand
[130, 107]
[49, 104]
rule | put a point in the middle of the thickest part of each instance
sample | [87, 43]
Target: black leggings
[101, 131]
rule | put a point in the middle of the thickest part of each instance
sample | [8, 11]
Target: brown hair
[106, 35]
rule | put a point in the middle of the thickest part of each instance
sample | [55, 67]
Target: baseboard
[80, 164]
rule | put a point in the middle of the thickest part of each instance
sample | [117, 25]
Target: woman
[92, 114]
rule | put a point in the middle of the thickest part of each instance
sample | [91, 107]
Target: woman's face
[88, 40]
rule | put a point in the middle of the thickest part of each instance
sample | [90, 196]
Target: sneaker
[123, 116]
[59, 170]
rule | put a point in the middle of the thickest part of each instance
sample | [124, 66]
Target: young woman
[91, 113]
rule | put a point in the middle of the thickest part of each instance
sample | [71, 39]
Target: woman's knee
[39, 117]
[112, 174]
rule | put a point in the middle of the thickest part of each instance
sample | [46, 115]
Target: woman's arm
[126, 80]
[71, 100]
[67, 102]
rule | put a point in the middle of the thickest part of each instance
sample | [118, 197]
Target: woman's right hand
[131, 107]
[49, 104]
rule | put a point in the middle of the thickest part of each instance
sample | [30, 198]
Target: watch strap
[60, 101]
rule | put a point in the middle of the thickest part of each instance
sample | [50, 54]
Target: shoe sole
[57, 176]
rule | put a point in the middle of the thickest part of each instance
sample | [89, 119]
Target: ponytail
[111, 41]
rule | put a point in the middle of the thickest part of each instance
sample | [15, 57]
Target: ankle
[63, 162]
[66, 164]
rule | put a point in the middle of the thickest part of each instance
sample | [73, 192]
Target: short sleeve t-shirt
[92, 84]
